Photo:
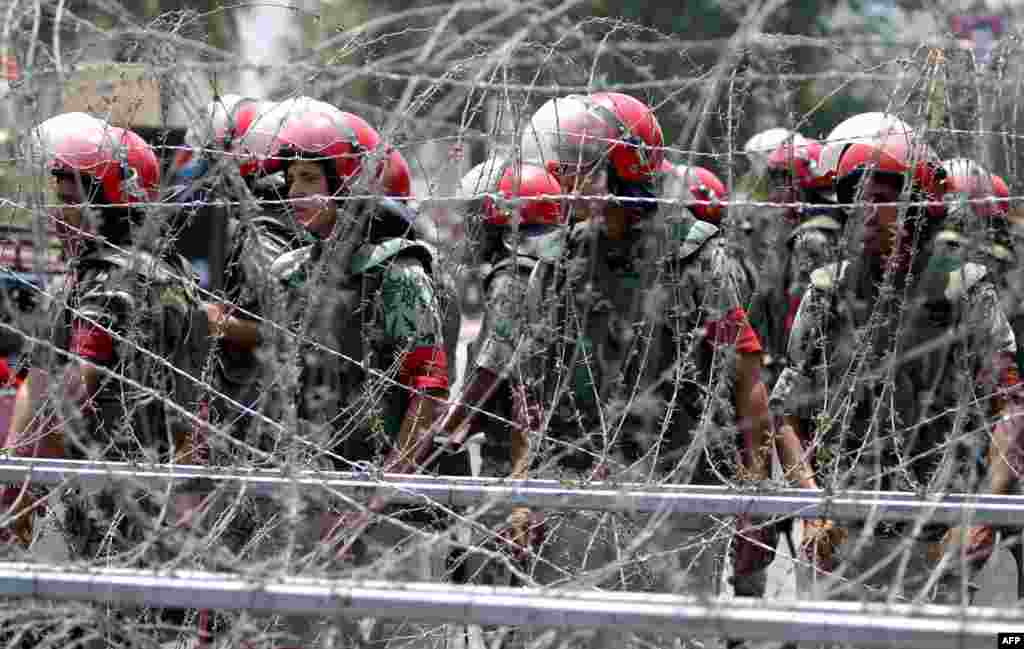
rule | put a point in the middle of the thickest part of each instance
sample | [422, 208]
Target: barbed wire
[611, 394]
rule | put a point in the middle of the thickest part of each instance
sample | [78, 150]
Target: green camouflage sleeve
[409, 306]
[106, 304]
[811, 249]
[725, 283]
[503, 321]
[991, 336]
[793, 389]
[257, 252]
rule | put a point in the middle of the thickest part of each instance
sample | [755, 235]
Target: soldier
[913, 331]
[216, 182]
[115, 375]
[814, 228]
[653, 309]
[505, 373]
[701, 191]
[982, 227]
[374, 370]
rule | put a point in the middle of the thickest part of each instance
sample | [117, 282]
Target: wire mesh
[238, 384]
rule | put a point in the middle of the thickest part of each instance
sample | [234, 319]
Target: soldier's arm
[413, 320]
[732, 329]
[497, 342]
[37, 428]
[242, 333]
[255, 254]
[792, 390]
[33, 432]
[999, 375]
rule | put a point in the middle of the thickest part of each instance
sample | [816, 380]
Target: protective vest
[160, 341]
[345, 405]
[918, 349]
[634, 309]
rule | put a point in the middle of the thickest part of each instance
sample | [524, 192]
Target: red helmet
[525, 182]
[319, 136]
[695, 184]
[482, 178]
[639, 144]
[392, 176]
[235, 126]
[800, 157]
[259, 141]
[865, 127]
[77, 143]
[567, 136]
[395, 175]
[971, 180]
[141, 159]
[893, 155]
[760, 146]
[222, 122]
[1002, 192]
[220, 125]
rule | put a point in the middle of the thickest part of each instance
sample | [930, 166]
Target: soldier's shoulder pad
[372, 255]
[820, 223]
[689, 235]
[828, 277]
[510, 264]
[292, 263]
[137, 262]
[582, 231]
[960, 281]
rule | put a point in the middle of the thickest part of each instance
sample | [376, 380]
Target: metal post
[544, 494]
[883, 625]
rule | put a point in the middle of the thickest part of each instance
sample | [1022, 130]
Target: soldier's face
[881, 222]
[311, 204]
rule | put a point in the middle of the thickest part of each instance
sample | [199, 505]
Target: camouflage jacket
[648, 333]
[811, 245]
[137, 317]
[359, 332]
[895, 385]
[254, 246]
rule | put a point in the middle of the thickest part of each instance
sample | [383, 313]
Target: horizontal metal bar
[883, 625]
[544, 494]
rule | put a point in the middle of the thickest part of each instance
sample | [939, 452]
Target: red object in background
[8, 392]
[10, 65]
[964, 25]
[978, 33]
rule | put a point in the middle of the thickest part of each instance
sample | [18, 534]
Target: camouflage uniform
[634, 309]
[116, 305]
[893, 430]
[513, 289]
[812, 244]
[382, 314]
[255, 245]
[136, 316]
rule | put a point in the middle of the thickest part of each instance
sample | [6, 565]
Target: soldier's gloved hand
[977, 544]
[754, 546]
[821, 539]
